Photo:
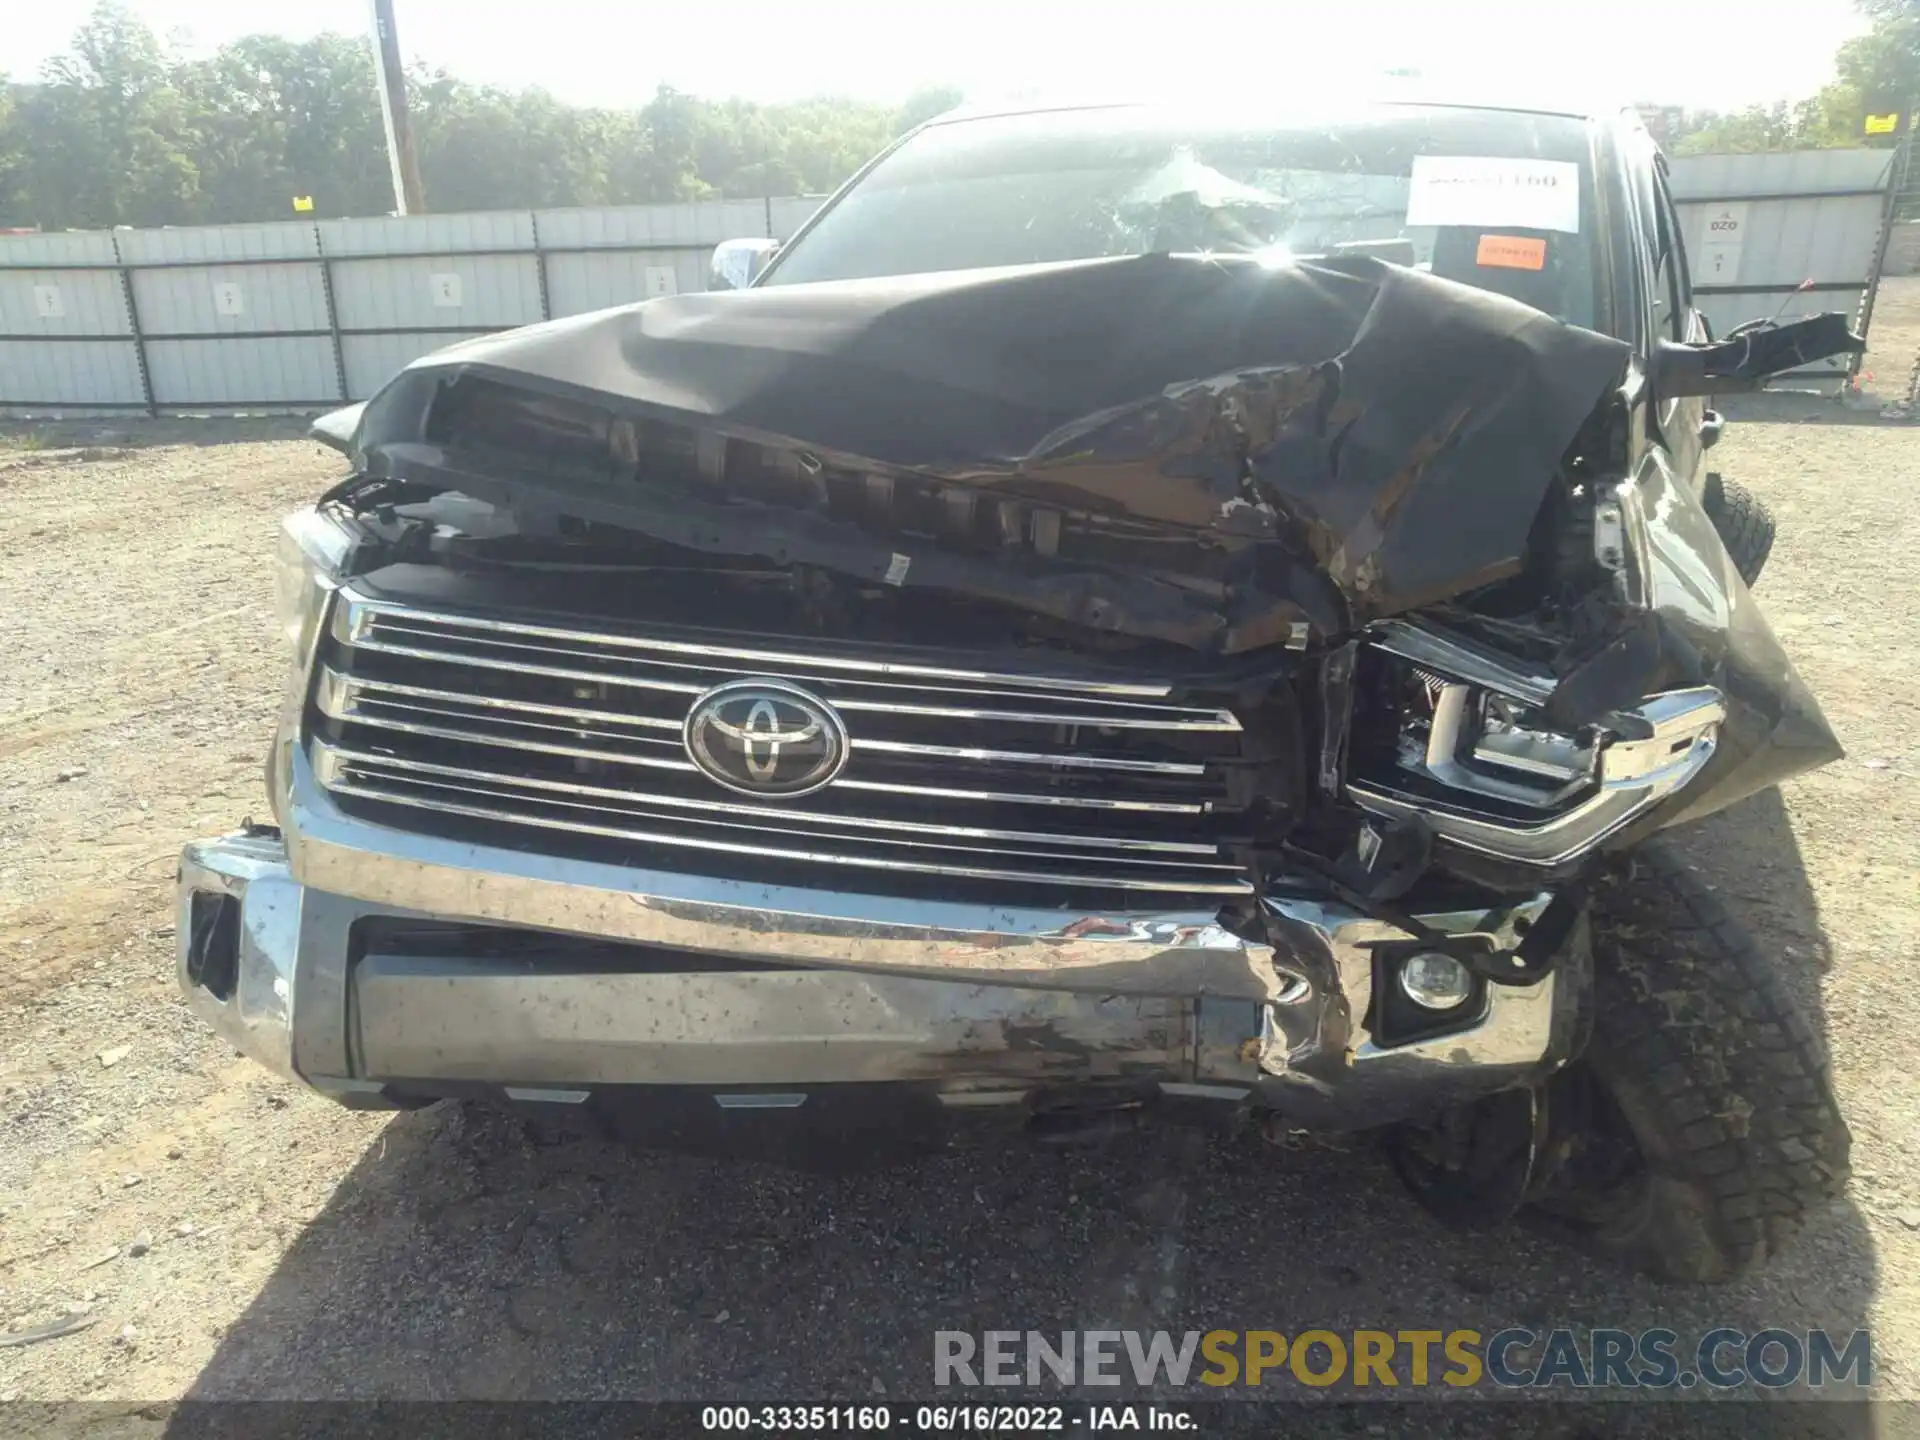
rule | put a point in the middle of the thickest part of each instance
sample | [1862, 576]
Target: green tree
[13, 159]
[923, 105]
[1824, 121]
[122, 132]
[664, 166]
[1882, 67]
[1875, 73]
[334, 143]
[274, 118]
[107, 133]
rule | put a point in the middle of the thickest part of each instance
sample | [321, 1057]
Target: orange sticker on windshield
[1512, 252]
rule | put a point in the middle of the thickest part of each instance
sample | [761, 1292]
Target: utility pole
[408, 198]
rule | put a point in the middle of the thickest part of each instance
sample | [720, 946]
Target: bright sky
[1703, 53]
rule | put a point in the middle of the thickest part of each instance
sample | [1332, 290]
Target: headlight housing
[1471, 752]
[307, 569]
[308, 564]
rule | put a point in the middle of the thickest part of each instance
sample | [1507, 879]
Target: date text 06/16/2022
[944, 1419]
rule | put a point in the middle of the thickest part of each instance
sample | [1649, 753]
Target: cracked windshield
[1083, 185]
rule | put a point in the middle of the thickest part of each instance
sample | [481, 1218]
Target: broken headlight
[1494, 746]
[1458, 737]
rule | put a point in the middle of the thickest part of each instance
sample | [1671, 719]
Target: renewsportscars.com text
[1655, 1359]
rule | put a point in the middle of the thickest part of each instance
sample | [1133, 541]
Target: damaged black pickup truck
[1124, 613]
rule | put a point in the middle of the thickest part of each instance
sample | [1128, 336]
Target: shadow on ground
[466, 1255]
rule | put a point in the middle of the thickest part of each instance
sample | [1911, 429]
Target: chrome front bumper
[980, 1004]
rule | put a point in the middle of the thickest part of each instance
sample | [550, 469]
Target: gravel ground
[227, 1235]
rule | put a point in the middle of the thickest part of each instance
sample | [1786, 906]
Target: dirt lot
[228, 1235]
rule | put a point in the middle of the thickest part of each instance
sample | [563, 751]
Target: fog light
[1434, 981]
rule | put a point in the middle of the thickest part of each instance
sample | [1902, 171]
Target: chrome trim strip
[338, 696]
[1220, 722]
[401, 710]
[520, 667]
[1082, 802]
[515, 742]
[1176, 884]
[327, 759]
[357, 781]
[401, 639]
[1215, 721]
[336, 693]
[1021, 757]
[360, 610]
[432, 713]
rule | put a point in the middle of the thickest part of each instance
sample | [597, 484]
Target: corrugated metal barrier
[1786, 234]
[306, 316]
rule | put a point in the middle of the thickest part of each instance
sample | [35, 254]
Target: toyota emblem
[765, 737]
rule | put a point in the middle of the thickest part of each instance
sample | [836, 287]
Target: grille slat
[533, 727]
[1019, 757]
[519, 815]
[359, 616]
[332, 762]
[378, 703]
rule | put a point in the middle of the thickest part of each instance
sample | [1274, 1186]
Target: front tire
[1699, 1130]
[1744, 522]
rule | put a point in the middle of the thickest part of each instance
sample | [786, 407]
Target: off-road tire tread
[1745, 525]
[1718, 1072]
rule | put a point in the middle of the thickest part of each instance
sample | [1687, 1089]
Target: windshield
[1497, 199]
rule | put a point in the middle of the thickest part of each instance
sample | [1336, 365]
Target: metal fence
[1792, 234]
[306, 316]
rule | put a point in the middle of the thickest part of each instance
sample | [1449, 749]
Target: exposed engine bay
[1379, 520]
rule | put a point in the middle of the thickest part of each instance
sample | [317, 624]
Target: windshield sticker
[1511, 252]
[1480, 190]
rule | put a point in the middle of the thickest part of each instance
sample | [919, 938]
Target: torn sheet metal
[1395, 431]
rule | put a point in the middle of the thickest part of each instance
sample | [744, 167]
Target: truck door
[1685, 425]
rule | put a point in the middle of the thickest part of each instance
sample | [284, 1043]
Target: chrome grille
[553, 731]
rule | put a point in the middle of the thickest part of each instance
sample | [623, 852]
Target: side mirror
[738, 263]
[1750, 353]
[336, 428]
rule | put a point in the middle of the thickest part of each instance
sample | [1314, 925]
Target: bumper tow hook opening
[213, 947]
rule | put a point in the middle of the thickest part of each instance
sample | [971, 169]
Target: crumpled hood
[1398, 430]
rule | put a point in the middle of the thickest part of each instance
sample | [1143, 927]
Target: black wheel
[1699, 1129]
[1744, 522]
